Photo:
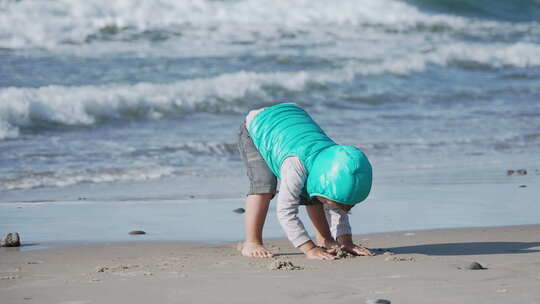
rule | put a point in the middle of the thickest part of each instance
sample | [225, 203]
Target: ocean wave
[232, 92]
[464, 55]
[88, 105]
[63, 179]
[49, 24]
[515, 11]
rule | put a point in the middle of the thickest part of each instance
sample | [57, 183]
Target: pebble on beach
[239, 210]
[137, 232]
[378, 301]
[11, 239]
[471, 266]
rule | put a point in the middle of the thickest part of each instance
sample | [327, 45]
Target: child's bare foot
[255, 250]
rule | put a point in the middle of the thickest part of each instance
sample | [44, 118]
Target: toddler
[283, 142]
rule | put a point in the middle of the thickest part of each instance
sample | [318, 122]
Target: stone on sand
[472, 266]
[378, 301]
[11, 239]
[239, 210]
[137, 232]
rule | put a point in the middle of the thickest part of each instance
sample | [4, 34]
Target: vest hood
[341, 173]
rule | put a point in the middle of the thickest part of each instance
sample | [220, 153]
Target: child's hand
[357, 250]
[329, 244]
[347, 245]
[318, 253]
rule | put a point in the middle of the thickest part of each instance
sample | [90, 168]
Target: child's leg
[262, 189]
[322, 230]
[255, 216]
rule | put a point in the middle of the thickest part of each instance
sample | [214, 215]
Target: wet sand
[425, 267]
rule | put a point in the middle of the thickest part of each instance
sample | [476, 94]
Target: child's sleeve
[293, 178]
[338, 221]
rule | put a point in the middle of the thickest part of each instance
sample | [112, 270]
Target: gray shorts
[261, 178]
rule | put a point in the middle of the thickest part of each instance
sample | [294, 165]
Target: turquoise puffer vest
[338, 172]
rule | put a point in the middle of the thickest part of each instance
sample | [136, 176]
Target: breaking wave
[49, 24]
[88, 105]
[54, 106]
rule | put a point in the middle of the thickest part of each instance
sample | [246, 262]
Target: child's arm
[317, 215]
[293, 175]
[338, 221]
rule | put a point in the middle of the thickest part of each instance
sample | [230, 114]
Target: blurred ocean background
[104, 102]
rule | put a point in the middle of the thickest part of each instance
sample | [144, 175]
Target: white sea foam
[62, 179]
[86, 105]
[8, 131]
[48, 24]
[519, 55]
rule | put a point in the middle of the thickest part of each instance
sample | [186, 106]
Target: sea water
[104, 102]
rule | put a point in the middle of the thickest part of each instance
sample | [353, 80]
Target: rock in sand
[378, 301]
[472, 266]
[11, 239]
[239, 210]
[137, 232]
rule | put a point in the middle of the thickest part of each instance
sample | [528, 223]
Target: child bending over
[283, 142]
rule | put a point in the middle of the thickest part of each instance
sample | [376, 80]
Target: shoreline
[137, 240]
[425, 266]
[109, 215]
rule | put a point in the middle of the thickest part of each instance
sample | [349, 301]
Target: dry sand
[426, 267]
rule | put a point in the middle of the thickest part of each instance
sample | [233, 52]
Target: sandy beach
[419, 267]
[118, 116]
